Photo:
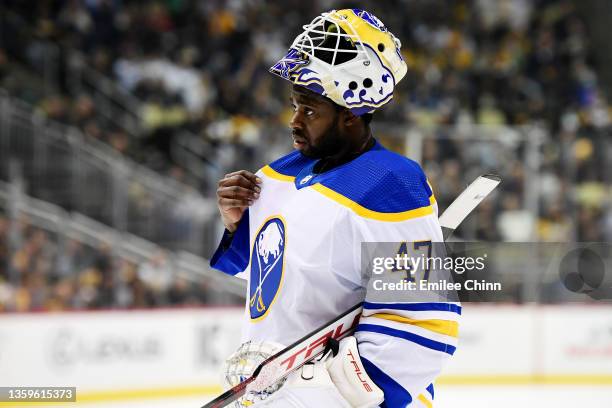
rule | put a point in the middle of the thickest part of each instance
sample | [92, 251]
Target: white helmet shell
[348, 56]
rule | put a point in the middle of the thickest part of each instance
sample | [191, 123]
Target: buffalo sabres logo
[266, 266]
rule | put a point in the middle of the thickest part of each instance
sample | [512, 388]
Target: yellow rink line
[523, 379]
[208, 391]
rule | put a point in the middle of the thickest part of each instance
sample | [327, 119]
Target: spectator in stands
[199, 69]
[56, 273]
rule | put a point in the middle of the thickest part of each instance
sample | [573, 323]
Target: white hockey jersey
[299, 247]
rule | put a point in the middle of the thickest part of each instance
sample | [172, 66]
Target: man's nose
[296, 121]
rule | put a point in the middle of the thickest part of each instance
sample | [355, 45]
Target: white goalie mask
[348, 56]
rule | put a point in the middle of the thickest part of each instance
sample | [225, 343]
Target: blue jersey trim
[381, 181]
[378, 180]
[430, 390]
[396, 396]
[416, 307]
[232, 256]
[414, 338]
[291, 164]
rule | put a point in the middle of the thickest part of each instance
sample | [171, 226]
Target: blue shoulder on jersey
[291, 164]
[378, 180]
[381, 181]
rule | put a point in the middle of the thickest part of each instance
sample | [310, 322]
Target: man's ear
[349, 118]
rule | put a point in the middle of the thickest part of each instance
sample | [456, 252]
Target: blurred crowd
[199, 68]
[44, 270]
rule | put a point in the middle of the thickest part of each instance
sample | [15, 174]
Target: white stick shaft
[468, 200]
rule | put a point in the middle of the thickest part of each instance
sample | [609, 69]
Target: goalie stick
[281, 364]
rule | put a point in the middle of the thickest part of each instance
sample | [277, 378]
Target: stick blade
[468, 200]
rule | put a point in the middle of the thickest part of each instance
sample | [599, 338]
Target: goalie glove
[350, 378]
[337, 379]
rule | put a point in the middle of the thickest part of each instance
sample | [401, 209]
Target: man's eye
[308, 112]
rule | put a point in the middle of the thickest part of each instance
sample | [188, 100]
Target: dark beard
[330, 144]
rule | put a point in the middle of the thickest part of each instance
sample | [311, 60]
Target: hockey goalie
[295, 228]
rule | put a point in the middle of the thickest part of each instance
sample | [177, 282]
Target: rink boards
[116, 355]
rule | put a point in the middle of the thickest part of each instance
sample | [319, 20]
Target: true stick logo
[318, 344]
[358, 371]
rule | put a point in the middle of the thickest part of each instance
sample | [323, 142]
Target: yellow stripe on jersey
[367, 213]
[445, 327]
[270, 172]
[356, 207]
[425, 401]
[432, 198]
